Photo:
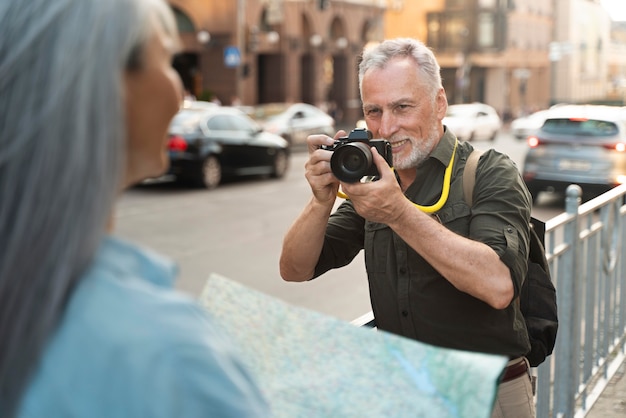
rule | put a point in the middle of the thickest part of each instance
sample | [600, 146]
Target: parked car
[472, 121]
[209, 144]
[523, 127]
[294, 122]
[578, 144]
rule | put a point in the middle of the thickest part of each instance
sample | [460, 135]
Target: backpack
[537, 299]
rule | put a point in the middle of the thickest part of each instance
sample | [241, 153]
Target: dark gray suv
[578, 144]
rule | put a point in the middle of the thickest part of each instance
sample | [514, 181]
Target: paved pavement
[612, 402]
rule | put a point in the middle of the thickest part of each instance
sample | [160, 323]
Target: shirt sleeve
[501, 212]
[343, 239]
[202, 378]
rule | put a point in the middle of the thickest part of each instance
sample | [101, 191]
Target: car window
[231, 123]
[185, 122]
[221, 123]
[242, 123]
[580, 127]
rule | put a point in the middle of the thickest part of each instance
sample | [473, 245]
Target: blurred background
[518, 56]
[261, 75]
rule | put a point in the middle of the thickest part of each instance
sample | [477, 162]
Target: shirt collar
[445, 147]
[130, 259]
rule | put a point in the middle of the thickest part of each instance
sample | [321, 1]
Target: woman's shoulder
[143, 341]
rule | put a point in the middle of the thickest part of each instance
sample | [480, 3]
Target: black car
[209, 144]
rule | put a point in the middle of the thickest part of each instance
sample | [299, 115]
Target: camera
[352, 155]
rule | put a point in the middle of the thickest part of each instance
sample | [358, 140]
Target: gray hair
[62, 157]
[378, 56]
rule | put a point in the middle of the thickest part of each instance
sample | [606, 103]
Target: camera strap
[445, 190]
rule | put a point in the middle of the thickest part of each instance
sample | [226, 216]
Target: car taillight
[533, 141]
[177, 143]
[619, 147]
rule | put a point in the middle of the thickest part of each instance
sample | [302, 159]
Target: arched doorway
[337, 94]
[187, 63]
[307, 64]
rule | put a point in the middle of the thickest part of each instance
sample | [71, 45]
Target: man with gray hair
[439, 271]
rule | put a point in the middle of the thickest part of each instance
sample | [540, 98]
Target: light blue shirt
[129, 345]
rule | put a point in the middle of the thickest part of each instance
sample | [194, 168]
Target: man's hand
[381, 200]
[323, 183]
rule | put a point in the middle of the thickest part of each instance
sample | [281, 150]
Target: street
[236, 231]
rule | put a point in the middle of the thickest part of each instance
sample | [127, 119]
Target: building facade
[490, 51]
[263, 51]
[516, 55]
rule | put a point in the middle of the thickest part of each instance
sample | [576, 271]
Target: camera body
[352, 157]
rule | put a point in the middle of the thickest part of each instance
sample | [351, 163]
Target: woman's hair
[378, 56]
[62, 162]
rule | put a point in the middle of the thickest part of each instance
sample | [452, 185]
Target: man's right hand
[323, 183]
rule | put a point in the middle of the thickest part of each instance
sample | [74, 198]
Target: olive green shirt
[408, 296]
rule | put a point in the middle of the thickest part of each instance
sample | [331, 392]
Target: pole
[241, 45]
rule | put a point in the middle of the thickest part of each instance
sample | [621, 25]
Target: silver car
[578, 144]
[294, 122]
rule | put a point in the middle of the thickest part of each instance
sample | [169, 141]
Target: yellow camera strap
[445, 191]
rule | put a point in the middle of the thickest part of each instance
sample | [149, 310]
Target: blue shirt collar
[131, 259]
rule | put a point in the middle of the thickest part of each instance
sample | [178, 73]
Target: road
[236, 231]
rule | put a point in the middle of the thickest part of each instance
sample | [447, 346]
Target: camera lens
[351, 161]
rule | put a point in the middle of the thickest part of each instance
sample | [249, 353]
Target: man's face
[400, 107]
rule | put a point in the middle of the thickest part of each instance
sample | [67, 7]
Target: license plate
[574, 165]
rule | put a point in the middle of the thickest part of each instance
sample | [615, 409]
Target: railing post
[568, 340]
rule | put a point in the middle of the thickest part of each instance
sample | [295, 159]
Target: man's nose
[388, 125]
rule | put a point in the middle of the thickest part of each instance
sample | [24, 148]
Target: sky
[616, 8]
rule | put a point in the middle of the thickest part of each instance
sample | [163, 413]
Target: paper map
[311, 365]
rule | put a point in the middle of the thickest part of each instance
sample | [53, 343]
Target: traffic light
[323, 4]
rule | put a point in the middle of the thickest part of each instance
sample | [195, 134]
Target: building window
[486, 30]
[184, 24]
[459, 4]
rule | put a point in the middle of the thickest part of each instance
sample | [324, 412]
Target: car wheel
[211, 172]
[281, 163]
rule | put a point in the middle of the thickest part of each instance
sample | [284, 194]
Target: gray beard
[420, 150]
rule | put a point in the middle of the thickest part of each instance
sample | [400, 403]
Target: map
[312, 365]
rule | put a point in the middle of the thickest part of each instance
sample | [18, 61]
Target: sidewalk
[612, 402]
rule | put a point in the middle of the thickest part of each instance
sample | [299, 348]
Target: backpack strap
[469, 176]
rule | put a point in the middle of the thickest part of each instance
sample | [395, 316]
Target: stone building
[518, 55]
[262, 51]
[490, 51]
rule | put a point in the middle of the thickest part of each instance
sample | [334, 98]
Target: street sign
[232, 57]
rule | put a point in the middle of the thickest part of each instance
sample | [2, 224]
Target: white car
[528, 125]
[294, 122]
[473, 121]
[523, 127]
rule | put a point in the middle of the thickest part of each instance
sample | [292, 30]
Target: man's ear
[441, 103]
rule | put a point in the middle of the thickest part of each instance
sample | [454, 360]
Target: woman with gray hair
[90, 324]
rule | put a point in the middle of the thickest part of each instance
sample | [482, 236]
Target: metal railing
[586, 250]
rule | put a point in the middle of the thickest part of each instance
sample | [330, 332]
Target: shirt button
[405, 313]
[509, 230]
